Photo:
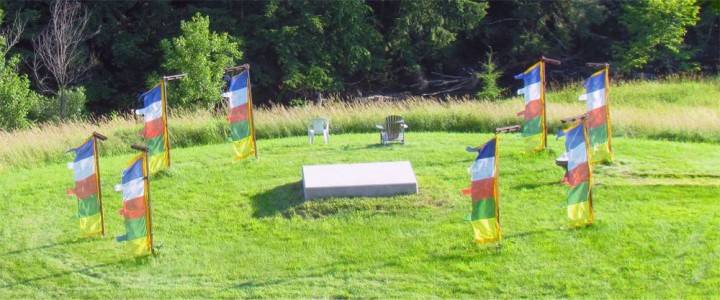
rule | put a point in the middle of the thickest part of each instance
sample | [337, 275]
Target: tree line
[67, 59]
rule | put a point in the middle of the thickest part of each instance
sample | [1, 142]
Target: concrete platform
[359, 180]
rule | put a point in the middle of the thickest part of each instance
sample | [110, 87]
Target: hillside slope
[242, 229]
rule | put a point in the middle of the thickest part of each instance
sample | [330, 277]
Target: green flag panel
[532, 127]
[598, 135]
[483, 209]
[239, 130]
[578, 193]
[135, 228]
[88, 206]
[156, 145]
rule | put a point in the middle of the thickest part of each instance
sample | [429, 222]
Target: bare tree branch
[13, 32]
[60, 60]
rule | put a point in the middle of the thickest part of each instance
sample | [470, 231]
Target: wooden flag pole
[496, 184]
[588, 156]
[166, 130]
[556, 62]
[250, 112]
[148, 207]
[97, 136]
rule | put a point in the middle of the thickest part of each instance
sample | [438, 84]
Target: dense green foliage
[16, 98]
[241, 230]
[657, 29]
[308, 49]
[202, 55]
[319, 44]
[489, 80]
[74, 105]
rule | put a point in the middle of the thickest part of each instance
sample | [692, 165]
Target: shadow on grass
[532, 232]
[277, 200]
[371, 146]
[673, 175]
[316, 274]
[539, 184]
[87, 271]
[57, 244]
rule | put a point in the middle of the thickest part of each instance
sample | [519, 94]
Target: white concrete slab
[359, 180]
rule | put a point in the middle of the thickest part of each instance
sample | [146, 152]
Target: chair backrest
[393, 126]
[319, 124]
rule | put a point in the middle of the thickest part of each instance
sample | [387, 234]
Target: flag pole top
[550, 60]
[139, 147]
[99, 136]
[508, 129]
[575, 118]
[174, 77]
[596, 64]
[242, 67]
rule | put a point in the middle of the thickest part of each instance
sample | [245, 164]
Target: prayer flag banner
[135, 208]
[242, 131]
[485, 215]
[598, 115]
[578, 177]
[533, 91]
[87, 188]
[155, 132]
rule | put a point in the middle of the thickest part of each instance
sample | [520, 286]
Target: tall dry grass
[648, 115]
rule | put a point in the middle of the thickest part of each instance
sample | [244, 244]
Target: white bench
[359, 180]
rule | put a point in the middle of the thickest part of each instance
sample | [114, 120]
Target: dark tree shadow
[57, 244]
[277, 200]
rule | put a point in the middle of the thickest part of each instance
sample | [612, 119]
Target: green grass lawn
[242, 230]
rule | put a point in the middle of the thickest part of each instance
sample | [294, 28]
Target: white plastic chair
[319, 126]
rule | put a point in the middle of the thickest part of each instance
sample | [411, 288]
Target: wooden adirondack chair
[319, 126]
[393, 130]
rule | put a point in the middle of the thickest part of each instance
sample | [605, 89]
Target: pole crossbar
[598, 64]
[242, 67]
[553, 61]
[575, 118]
[174, 77]
[508, 129]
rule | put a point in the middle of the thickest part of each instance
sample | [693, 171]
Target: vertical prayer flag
[155, 131]
[485, 215]
[242, 127]
[578, 177]
[534, 124]
[136, 208]
[87, 188]
[598, 115]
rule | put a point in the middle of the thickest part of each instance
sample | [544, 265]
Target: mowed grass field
[227, 229]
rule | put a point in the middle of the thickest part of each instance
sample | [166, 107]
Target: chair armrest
[403, 125]
[380, 127]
